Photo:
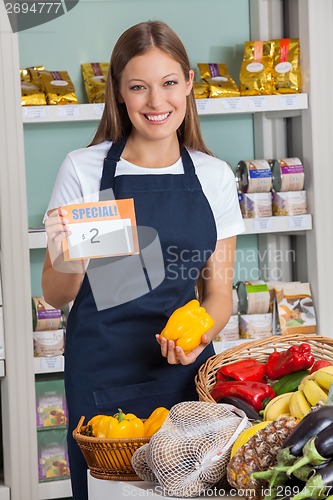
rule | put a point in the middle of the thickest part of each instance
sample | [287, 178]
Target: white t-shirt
[80, 175]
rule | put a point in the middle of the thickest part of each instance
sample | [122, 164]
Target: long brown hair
[135, 41]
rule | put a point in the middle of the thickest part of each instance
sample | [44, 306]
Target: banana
[323, 379]
[277, 406]
[298, 405]
[313, 392]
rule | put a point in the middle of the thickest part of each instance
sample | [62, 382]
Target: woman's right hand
[57, 230]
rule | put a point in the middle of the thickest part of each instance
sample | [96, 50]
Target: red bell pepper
[320, 363]
[256, 394]
[244, 369]
[294, 359]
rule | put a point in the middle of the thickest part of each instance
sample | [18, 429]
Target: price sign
[101, 229]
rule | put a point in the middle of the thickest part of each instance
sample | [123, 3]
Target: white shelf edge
[278, 224]
[48, 364]
[55, 489]
[212, 106]
[4, 492]
[2, 374]
[274, 224]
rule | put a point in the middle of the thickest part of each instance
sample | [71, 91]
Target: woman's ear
[189, 83]
[119, 98]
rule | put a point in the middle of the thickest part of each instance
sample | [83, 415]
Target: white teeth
[157, 118]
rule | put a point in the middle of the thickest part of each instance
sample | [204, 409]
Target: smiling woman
[149, 148]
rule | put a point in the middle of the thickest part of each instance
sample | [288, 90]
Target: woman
[148, 147]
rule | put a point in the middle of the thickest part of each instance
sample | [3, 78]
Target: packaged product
[44, 316]
[94, 77]
[254, 176]
[253, 297]
[51, 408]
[58, 87]
[219, 80]
[256, 69]
[289, 203]
[201, 90]
[53, 461]
[287, 78]
[295, 308]
[254, 205]
[230, 331]
[255, 326]
[32, 93]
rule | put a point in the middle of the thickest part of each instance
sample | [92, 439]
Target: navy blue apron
[112, 358]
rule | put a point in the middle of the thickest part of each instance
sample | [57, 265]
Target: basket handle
[79, 425]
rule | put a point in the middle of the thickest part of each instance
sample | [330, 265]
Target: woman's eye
[170, 83]
[137, 87]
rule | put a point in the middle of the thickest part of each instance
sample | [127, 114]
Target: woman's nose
[154, 98]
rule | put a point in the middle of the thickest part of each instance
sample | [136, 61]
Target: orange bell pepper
[155, 420]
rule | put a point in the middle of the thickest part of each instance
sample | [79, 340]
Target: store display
[94, 77]
[32, 93]
[200, 90]
[286, 69]
[219, 80]
[51, 408]
[289, 203]
[288, 174]
[255, 205]
[52, 455]
[254, 176]
[256, 69]
[58, 87]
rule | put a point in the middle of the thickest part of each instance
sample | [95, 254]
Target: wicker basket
[321, 348]
[108, 458]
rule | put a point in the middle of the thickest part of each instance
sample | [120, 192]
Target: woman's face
[154, 90]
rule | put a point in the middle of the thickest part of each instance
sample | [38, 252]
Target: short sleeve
[228, 217]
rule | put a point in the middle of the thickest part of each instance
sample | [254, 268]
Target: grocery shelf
[276, 224]
[54, 489]
[217, 106]
[279, 224]
[48, 364]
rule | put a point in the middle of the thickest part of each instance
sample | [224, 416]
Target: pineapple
[258, 454]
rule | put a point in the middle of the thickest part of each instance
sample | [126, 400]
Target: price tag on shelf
[69, 110]
[101, 229]
[289, 101]
[232, 103]
[263, 224]
[35, 112]
[297, 221]
[51, 363]
[98, 109]
[257, 103]
[203, 105]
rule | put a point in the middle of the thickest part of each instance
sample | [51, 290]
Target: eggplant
[311, 425]
[318, 485]
[318, 450]
[248, 409]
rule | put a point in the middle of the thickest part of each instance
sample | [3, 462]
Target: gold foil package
[32, 93]
[220, 82]
[200, 90]
[58, 87]
[286, 70]
[256, 69]
[94, 77]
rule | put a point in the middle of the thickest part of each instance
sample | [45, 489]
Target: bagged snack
[220, 82]
[94, 77]
[256, 69]
[32, 93]
[295, 308]
[201, 90]
[286, 71]
[58, 87]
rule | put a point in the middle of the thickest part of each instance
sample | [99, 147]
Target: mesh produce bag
[190, 453]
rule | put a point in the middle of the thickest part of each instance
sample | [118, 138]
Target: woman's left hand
[175, 354]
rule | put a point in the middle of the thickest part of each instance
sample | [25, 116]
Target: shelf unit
[231, 105]
[278, 224]
[4, 492]
[54, 489]
[311, 140]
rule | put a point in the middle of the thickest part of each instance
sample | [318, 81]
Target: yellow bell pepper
[121, 425]
[187, 324]
[155, 420]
